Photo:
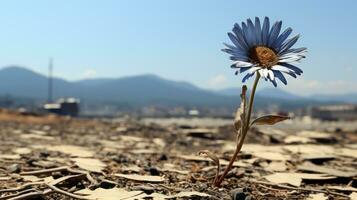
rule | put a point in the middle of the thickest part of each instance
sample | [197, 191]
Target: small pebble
[238, 194]
[14, 168]
[153, 171]
[145, 188]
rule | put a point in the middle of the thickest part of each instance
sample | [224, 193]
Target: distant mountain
[278, 93]
[265, 92]
[229, 91]
[347, 98]
[137, 91]
[19, 81]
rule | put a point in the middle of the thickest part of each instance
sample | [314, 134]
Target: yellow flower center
[264, 56]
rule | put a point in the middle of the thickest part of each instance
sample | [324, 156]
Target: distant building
[193, 112]
[335, 112]
[64, 106]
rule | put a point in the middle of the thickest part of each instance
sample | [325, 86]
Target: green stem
[245, 129]
[251, 100]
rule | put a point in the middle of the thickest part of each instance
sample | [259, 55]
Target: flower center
[264, 56]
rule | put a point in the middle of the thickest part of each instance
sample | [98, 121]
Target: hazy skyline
[178, 40]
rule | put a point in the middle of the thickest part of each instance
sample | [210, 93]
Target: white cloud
[89, 73]
[310, 87]
[218, 81]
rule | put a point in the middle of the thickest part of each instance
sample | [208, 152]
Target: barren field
[49, 157]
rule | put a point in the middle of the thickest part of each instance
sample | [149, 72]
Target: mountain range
[145, 90]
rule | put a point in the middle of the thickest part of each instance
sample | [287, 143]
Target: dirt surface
[49, 157]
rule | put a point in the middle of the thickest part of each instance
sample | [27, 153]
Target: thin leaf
[241, 111]
[208, 154]
[214, 158]
[269, 119]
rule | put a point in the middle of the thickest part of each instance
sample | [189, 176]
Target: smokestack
[50, 81]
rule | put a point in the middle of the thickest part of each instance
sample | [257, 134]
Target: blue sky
[179, 40]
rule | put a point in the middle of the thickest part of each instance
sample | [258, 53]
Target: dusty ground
[59, 158]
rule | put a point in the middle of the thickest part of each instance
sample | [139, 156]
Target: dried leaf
[208, 154]
[10, 156]
[288, 178]
[132, 168]
[318, 196]
[315, 135]
[153, 196]
[31, 178]
[271, 156]
[310, 149]
[347, 188]
[157, 196]
[63, 178]
[145, 151]
[22, 150]
[347, 152]
[168, 167]
[353, 196]
[214, 158]
[90, 164]
[75, 151]
[239, 119]
[109, 194]
[317, 157]
[276, 166]
[193, 158]
[293, 139]
[143, 178]
[235, 163]
[307, 166]
[189, 194]
[6, 178]
[295, 179]
[269, 119]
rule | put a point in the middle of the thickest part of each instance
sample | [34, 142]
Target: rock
[163, 157]
[107, 184]
[14, 168]
[153, 171]
[147, 189]
[201, 133]
[238, 194]
[120, 159]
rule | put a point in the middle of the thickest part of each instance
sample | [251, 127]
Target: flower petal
[291, 74]
[288, 43]
[235, 41]
[265, 31]
[291, 54]
[280, 76]
[239, 64]
[274, 32]
[281, 68]
[238, 58]
[243, 69]
[265, 72]
[297, 70]
[271, 75]
[240, 36]
[251, 72]
[282, 37]
[247, 36]
[258, 31]
[291, 59]
[301, 50]
[274, 83]
[246, 77]
[251, 31]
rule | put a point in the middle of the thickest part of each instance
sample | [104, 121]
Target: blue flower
[264, 50]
